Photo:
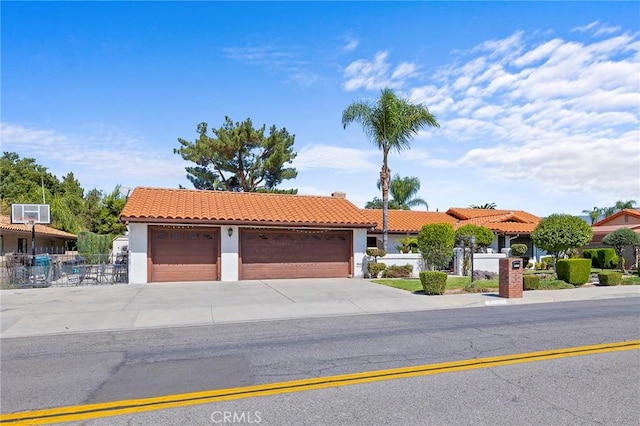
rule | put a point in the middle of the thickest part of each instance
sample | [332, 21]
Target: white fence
[481, 261]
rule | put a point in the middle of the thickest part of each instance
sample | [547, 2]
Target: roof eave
[209, 222]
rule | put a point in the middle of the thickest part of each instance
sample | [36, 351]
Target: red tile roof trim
[157, 205]
[6, 225]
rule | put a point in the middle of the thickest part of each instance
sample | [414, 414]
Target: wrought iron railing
[47, 270]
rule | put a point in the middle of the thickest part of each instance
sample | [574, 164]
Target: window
[372, 242]
[22, 245]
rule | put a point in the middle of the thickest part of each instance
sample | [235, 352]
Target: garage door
[184, 254]
[295, 254]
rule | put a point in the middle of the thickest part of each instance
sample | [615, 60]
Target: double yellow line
[108, 409]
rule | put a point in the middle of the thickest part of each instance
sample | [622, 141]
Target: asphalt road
[55, 371]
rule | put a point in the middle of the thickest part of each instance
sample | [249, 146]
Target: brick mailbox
[510, 282]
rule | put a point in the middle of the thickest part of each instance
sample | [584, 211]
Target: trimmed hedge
[602, 258]
[610, 278]
[574, 271]
[530, 282]
[433, 282]
[398, 271]
[375, 268]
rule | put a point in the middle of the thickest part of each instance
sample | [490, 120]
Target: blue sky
[538, 102]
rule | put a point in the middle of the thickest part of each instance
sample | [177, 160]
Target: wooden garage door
[295, 254]
[184, 254]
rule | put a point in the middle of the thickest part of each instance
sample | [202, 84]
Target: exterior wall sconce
[230, 232]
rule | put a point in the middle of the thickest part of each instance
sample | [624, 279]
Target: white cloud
[345, 160]
[558, 114]
[351, 44]
[275, 59]
[101, 157]
[377, 74]
[596, 28]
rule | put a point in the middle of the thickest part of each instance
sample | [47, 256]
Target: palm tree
[620, 205]
[403, 192]
[485, 206]
[594, 214]
[629, 204]
[390, 123]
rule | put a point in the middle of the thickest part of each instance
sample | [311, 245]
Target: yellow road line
[108, 409]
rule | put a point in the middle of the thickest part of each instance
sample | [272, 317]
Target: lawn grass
[464, 283]
[631, 280]
[453, 283]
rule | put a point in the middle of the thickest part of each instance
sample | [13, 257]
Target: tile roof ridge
[242, 193]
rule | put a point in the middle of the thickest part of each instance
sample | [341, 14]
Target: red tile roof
[503, 221]
[6, 225]
[407, 220]
[510, 222]
[469, 213]
[223, 207]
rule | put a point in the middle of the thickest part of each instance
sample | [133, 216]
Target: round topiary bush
[518, 250]
[433, 282]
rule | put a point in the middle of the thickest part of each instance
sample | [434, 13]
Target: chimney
[339, 194]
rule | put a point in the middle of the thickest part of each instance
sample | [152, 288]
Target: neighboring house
[509, 226]
[16, 238]
[627, 218]
[401, 224]
[194, 235]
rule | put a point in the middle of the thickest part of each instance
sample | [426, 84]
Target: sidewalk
[135, 306]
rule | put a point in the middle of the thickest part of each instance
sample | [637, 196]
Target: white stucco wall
[359, 252]
[401, 259]
[229, 253]
[138, 244]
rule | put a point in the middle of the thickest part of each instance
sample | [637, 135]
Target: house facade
[627, 218]
[509, 226]
[16, 238]
[194, 235]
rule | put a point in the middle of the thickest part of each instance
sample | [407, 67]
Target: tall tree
[239, 157]
[619, 205]
[404, 192]
[109, 214]
[594, 214]
[22, 181]
[485, 206]
[560, 233]
[390, 123]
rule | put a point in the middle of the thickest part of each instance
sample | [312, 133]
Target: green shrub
[530, 282]
[375, 268]
[610, 278]
[398, 271]
[607, 258]
[574, 271]
[518, 250]
[433, 282]
[376, 253]
[593, 255]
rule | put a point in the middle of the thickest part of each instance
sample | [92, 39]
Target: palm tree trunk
[384, 180]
